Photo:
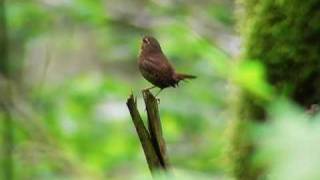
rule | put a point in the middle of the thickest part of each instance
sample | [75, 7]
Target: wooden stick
[144, 137]
[152, 141]
[155, 128]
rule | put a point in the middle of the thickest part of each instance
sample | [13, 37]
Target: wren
[156, 68]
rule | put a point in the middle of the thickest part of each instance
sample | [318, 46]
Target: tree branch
[152, 141]
[155, 128]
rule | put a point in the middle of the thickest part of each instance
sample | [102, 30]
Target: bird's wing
[151, 66]
[151, 71]
[157, 70]
[163, 65]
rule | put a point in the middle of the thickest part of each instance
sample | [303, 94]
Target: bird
[155, 66]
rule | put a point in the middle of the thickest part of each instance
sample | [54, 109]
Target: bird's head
[150, 45]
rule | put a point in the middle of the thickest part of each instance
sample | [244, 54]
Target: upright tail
[178, 76]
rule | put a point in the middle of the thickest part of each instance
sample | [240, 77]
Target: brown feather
[155, 67]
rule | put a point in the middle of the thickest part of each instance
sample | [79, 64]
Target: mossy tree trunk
[284, 36]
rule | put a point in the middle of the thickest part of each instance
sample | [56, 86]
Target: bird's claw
[147, 89]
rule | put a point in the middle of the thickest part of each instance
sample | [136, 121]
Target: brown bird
[155, 67]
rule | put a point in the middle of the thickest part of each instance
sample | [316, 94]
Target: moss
[249, 111]
[285, 36]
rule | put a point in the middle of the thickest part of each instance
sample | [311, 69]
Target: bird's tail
[179, 76]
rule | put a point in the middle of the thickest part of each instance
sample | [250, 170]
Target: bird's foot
[158, 92]
[147, 89]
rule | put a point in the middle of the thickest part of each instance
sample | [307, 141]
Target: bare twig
[152, 141]
[155, 128]
[149, 151]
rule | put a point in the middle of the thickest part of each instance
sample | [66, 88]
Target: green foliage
[27, 19]
[89, 11]
[288, 145]
[250, 75]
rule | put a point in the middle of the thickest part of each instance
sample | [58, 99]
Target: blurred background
[76, 64]
[73, 64]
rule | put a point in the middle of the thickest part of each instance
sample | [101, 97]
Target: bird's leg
[146, 89]
[158, 92]
[158, 99]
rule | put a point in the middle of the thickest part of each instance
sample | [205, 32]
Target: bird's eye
[145, 40]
